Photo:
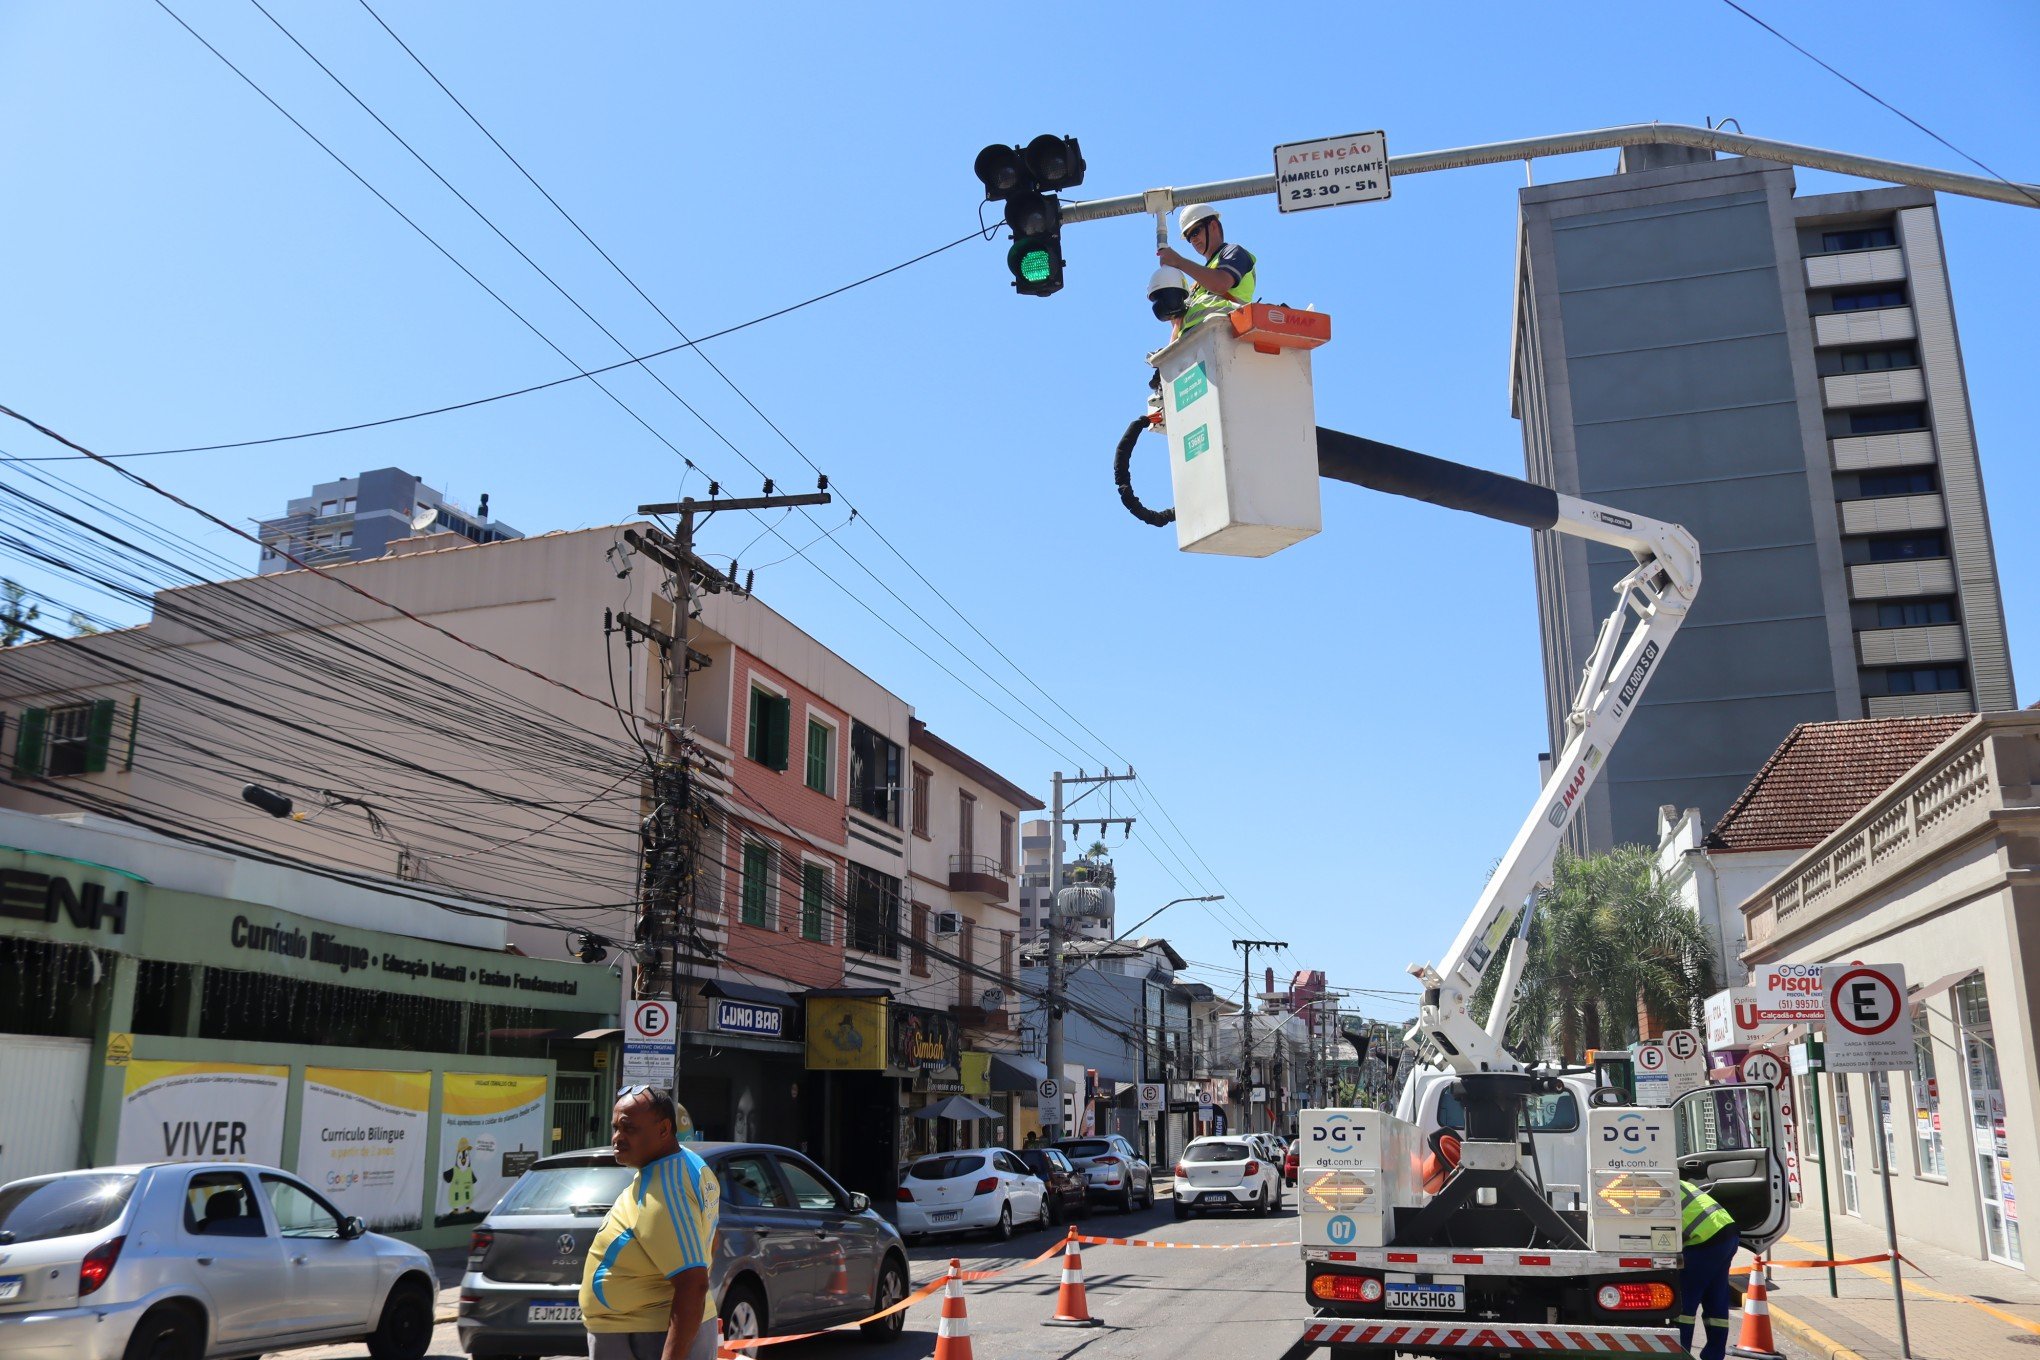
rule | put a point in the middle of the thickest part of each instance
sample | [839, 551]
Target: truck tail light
[98, 1264]
[986, 1186]
[1347, 1288]
[904, 1195]
[1636, 1297]
[478, 1246]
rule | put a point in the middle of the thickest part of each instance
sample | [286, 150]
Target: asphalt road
[1155, 1303]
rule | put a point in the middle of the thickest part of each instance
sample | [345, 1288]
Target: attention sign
[1331, 171]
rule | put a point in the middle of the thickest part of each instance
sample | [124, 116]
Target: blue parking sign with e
[1341, 1229]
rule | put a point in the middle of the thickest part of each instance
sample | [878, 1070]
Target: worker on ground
[1223, 282]
[644, 1288]
[1708, 1233]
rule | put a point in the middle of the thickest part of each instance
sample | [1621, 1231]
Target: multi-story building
[503, 762]
[356, 519]
[1782, 375]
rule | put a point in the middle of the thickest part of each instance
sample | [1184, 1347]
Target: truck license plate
[1429, 1298]
[554, 1312]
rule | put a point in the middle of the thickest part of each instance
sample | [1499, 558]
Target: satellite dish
[992, 999]
[422, 521]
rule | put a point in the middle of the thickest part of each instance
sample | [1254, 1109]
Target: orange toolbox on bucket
[1270, 328]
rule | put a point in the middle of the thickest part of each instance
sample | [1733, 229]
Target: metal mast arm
[1652, 600]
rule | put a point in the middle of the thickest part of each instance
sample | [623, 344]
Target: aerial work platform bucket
[1242, 424]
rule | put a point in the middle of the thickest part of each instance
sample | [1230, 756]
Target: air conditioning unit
[948, 923]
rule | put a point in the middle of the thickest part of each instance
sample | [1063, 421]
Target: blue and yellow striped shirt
[662, 1224]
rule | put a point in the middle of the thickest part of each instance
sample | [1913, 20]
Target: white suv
[1223, 1173]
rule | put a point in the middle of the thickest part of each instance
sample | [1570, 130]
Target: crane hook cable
[1122, 473]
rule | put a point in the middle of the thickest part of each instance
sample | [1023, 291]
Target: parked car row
[997, 1190]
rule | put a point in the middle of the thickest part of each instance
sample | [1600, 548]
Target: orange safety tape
[728, 1350]
[1055, 1250]
[1822, 1265]
[1181, 1246]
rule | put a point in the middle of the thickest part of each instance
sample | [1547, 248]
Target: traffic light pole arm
[1600, 139]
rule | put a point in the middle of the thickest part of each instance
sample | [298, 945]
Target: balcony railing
[1855, 266]
[1904, 448]
[1887, 580]
[980, 875]
[1865, 327]
[1882, 388]
[1893, 514]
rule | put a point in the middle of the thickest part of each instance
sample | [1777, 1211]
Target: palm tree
[1612, 952]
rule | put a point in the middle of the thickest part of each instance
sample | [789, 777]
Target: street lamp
[1208, 897]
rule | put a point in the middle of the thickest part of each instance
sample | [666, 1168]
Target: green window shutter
[28, 745]
[756, 859]
[99, 736]
[818, 757]
[814, 893]
[779, 720]
[751, 747]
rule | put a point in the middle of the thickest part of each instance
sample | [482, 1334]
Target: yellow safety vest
[1205, 304]
[1701, 1219]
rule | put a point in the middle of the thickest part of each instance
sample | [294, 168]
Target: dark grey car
[793, 1251]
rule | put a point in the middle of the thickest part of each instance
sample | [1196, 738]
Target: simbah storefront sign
[748, 1017]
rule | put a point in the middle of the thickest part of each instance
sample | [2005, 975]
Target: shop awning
[744, 991]
[956, 1107]
[1017, 1072]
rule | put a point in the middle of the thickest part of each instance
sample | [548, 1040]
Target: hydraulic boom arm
[1651, 603]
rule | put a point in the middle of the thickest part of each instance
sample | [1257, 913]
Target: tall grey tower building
[355, 519]
[1782, 375]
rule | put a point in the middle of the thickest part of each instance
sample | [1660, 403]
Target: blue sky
[1345, 734]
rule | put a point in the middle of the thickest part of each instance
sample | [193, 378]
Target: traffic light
[1027, 179]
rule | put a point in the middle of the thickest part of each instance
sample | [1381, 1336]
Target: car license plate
[553, 1312]
[1214, 1197]
[1428, 1298]
[945, 1215]
[10, 1286]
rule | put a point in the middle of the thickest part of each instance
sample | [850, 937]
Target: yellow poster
[846, 1034]
[361, 1139]
[491, 1129]
[976, 1070]
[202, 1111]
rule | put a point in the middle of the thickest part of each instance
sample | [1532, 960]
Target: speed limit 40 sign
[1869, 1021]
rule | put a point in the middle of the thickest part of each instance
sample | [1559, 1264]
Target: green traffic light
[1035, 265]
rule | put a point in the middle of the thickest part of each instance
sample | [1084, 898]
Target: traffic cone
[1071, 1310]
[839, 1283]
[1755, 1342]
[952, 1333]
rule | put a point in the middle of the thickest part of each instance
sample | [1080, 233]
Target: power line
[1878, 99]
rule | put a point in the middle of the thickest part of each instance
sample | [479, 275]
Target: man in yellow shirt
[644, 1290]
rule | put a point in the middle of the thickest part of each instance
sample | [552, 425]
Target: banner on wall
[202, 1111]
[491, 1128]
[361, 1140]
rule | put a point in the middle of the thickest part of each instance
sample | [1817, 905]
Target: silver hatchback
[794, 1251]
[179, 1260]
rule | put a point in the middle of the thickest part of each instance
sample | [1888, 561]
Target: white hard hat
[1192, 215]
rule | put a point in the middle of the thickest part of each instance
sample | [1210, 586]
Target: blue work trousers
[1703, 1293]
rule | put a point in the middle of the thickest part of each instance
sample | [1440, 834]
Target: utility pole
[666, 882]
[1247, 948]
[1055, 968]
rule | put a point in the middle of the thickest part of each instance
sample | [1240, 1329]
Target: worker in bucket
[1225, 279]
[1224, 282]
[1708, 1233]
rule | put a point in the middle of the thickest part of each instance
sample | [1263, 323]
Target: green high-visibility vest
[1701, 1219]
[1205, 304]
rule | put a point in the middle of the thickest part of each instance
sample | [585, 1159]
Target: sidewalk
[1961, 1308]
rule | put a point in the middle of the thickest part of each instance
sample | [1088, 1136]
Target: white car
[978, 1190]
[178, 1260]
[1113, 1170]
[1220, 1174]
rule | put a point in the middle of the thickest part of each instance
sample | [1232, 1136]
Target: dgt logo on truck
[1339, 1130]
[1632, 1133]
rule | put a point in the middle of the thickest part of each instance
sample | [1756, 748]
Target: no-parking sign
[1869, 1023]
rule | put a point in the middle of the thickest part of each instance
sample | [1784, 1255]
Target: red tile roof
[1821, 775]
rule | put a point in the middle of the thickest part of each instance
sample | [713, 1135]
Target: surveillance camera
[1169, 291]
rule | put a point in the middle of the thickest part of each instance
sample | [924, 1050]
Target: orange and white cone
[952, 1333]
[1755, 1342]
[839, 1283]
[1071, 1309]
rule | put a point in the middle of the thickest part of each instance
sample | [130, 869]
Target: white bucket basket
[1242, 441]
